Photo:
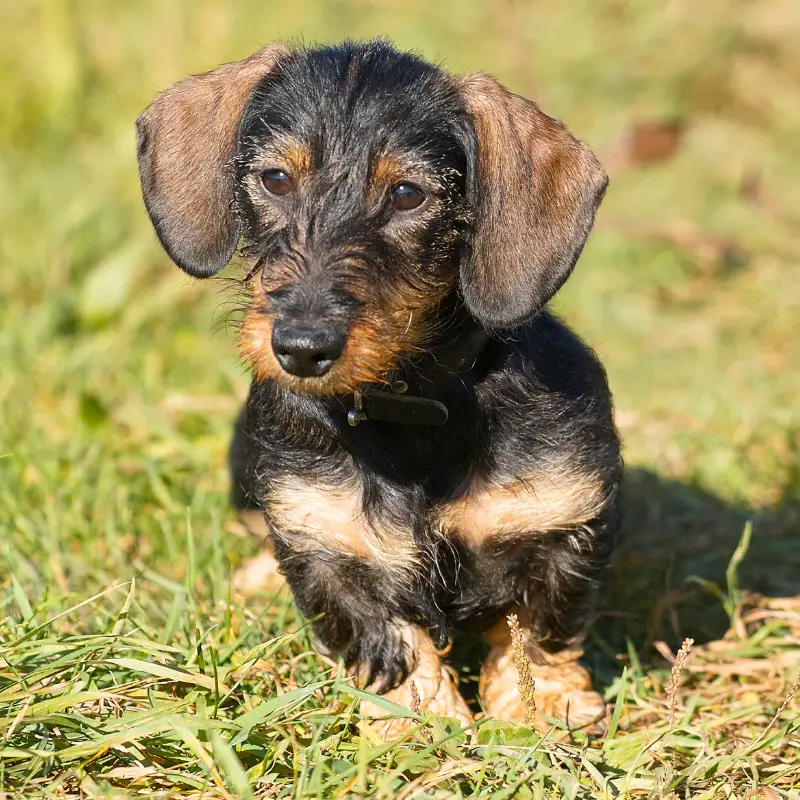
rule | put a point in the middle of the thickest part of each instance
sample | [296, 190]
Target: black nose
[307, 351]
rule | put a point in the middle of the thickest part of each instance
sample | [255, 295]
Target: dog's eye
[276, 181]
[407, 196]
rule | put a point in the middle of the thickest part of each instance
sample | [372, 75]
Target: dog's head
[367, 186]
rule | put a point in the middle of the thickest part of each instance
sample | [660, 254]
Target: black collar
[395, 406]
[455, 354]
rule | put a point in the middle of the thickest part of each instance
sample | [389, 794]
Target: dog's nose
[307, 351]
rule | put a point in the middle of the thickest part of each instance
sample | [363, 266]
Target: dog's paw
[431, 687]
[258, 574]
[562, 692]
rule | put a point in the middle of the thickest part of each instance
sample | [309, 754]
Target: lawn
[129, 668]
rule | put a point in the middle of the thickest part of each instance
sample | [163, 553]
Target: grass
[127, 669]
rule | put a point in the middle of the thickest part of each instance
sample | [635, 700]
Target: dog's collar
[395, 406]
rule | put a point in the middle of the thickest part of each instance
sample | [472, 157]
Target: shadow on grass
[672, 531]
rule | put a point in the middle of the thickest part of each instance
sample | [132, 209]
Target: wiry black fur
[519, 403]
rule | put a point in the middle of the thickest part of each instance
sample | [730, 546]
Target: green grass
[127, 669]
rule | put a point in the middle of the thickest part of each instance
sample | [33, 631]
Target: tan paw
[562, 691]
[253, 519]
[436, 687]
[259, 573]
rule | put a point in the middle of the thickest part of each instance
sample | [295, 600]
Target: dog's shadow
[671, 532]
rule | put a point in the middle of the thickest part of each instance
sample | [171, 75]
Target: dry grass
[671, 690]
[526, 684]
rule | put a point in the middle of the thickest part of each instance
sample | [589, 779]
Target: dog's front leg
[540, 547]
[356, 616]
[555, 577]
[430, 685]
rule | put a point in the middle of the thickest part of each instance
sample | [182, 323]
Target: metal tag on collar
[356, 414]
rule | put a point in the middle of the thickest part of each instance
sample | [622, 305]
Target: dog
[430, 448]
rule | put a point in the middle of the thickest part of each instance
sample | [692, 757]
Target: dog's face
[351, 173]
[367, 186]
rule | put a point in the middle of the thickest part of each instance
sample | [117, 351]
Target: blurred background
[119, 379]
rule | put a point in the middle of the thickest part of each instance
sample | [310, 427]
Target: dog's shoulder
[548, 401]
[545, 358]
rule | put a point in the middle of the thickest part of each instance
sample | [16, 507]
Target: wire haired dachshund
[430, 448]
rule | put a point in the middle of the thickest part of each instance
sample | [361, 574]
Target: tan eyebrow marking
[386, 170]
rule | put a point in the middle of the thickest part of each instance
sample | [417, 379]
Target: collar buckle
[356, 414]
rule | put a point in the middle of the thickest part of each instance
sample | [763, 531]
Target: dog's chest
[397, 527]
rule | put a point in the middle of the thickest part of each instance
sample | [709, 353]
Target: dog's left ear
[536, 190]
[185, 139]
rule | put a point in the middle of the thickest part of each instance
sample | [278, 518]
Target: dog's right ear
[185, 139]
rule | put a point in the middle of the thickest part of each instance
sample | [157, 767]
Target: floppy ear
[185, 139]
[537, 189]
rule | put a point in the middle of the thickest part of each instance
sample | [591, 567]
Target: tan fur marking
[255, 344]
[371, 351]
[333, 517]
[374, 344]
[298, 159]
[282, 152]
[386, 170]
[546, 502]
